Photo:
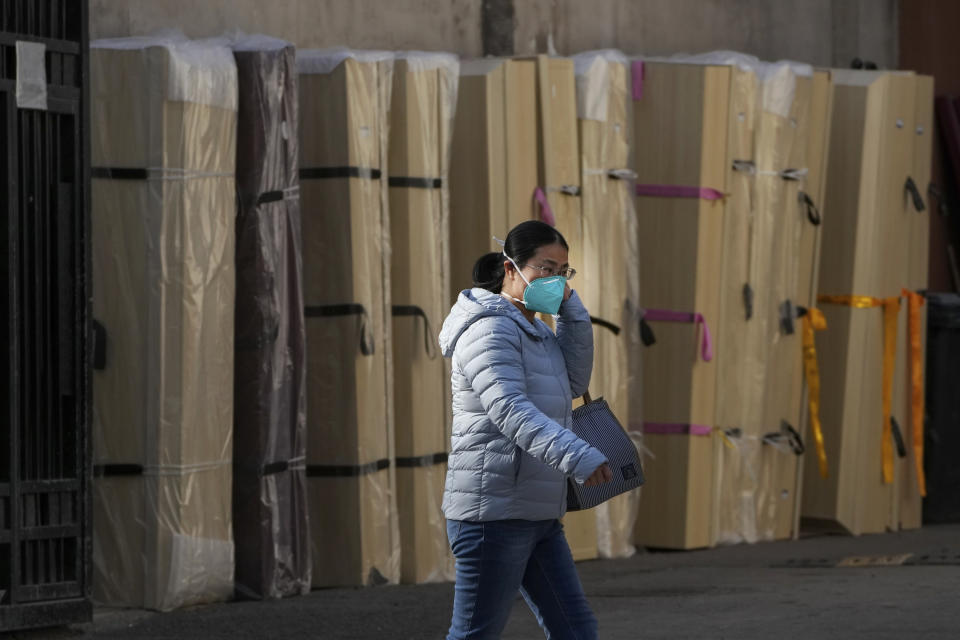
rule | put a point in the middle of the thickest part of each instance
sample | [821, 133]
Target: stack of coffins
[609, 284]
[727, 252]
[269, 471]
[164, 205]
[764, 434]
[869, 260]
[423, 102]
[493, 171]
[692, 122]
[556, 201]
[344, 106]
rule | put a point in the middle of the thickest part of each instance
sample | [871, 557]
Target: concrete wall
[822, 32]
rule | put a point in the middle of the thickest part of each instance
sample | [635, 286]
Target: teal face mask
[543, 295]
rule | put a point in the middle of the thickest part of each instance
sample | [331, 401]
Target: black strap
[108, 470]
[410, 310]
[118, 173]
[914, 192]
[898, 438]
[270, 196]
[415, 183]
[791, 175]
[367, 346]
[647, 336]
[280, 466]
[813, 214]
[428, 460]
[99, 346]
[326, 173]
[600, 322]
[346, 470]
[788, 313]
[788, 433]
[748, 300]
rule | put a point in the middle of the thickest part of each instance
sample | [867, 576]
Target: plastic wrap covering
[942, 437]
[421, 117]
[163, 151]
[344, 107]
[810, 200]
[269, 474]
[610, 288]
[493, 164]
[758, 502]
[691, 123]
[864, 267]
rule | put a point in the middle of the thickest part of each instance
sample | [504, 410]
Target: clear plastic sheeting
[270, 483]
[421, 119]
[610, 240]
[163, 137]
[344, 128]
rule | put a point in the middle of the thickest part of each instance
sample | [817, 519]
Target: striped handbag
[596, 424]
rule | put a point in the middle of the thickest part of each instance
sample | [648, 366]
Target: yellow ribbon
[914, 302]
[814, 321]
[891, 308]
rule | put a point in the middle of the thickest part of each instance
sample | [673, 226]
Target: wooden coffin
[344, 105]
[163, 210]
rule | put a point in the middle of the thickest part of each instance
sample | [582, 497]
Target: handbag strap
[586, 398]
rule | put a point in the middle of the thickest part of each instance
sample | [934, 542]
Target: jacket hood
[473, 304]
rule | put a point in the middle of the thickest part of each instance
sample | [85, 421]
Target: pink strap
[678, 191]
[670, 428]
[546, 213]
[665, 315]
[638, 73]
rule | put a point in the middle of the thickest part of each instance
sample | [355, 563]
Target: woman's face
[548, 260]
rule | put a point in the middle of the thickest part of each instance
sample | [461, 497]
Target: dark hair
[522, 242]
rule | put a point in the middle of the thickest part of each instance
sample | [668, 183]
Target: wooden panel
[520, 132]
[733, 517]
[818, 146]
[419, 262]
[681, 123]
[863, 253]
[349, 393]
[494, 160]
[916, 280]
[778, 464]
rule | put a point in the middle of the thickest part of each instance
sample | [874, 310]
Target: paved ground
[779, 590]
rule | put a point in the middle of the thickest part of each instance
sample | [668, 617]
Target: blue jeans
[495, 559]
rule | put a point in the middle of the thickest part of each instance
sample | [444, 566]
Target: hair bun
[488, 272]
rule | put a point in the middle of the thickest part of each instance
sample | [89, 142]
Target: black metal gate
[45, 527]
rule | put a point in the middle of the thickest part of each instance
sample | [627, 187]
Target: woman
[512, 449]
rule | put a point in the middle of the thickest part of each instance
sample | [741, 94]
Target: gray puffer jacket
[513, 383]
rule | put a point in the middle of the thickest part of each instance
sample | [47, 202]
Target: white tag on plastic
[31, 75]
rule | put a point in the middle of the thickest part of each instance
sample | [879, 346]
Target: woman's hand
[600, 475]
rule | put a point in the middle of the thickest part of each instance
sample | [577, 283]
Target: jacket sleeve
[491, 360]
[575, 335]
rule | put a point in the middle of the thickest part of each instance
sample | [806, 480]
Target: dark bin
[942, 432]
[44, 450]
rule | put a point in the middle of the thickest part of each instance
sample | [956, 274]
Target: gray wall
[822, 32]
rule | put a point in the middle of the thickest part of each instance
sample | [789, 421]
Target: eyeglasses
[567, 273]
